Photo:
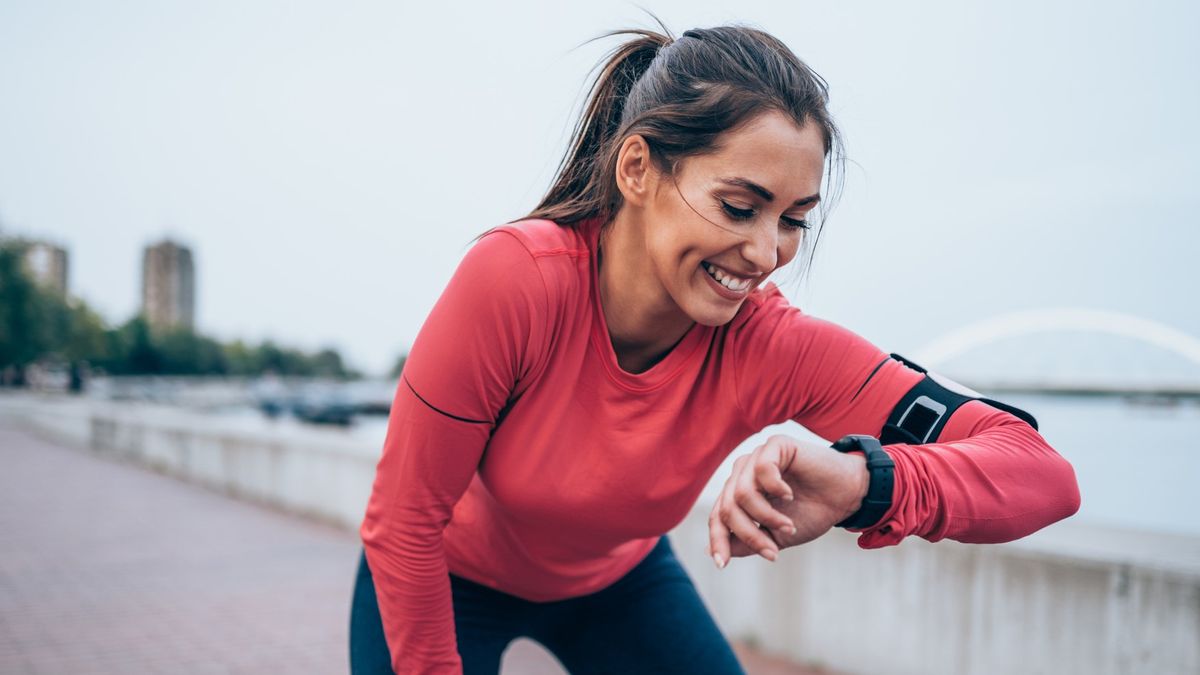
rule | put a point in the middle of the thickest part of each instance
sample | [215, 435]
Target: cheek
[788, 248]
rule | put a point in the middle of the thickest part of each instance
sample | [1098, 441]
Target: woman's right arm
[484, 335]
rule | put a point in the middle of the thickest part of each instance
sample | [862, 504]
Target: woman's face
[737, 213]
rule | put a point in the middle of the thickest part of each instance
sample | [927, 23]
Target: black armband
[922, 413]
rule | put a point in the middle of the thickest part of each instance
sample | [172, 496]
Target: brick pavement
[112, 568]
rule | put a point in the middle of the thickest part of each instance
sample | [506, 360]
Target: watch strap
[879, 492]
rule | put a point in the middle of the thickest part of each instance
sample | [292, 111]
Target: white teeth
[728, 281]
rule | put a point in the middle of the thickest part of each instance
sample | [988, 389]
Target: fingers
[770, 479]
[718, 537]
[720, 542]
[723, 546]
[762, 473]
[741, 526]
[741, 507]
[743, 518]
[739, 549]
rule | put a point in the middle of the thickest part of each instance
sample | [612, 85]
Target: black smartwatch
[879, 493]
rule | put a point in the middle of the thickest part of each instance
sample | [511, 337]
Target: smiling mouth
[735, 284]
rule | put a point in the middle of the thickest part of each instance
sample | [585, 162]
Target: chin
[711, 316]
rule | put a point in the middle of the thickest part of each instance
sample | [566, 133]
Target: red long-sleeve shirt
[521, 456]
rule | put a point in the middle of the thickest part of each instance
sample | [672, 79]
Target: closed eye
[745, 214]
[734, 212]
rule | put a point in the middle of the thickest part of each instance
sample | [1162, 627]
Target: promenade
[108, 567]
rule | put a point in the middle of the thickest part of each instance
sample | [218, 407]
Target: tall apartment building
[168, 285]
[48, 264]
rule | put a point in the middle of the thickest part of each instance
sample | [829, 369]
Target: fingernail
[768, 554]
[788, 497]
[789, 529]
[717, 559]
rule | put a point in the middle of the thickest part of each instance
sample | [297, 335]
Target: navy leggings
[651, 620]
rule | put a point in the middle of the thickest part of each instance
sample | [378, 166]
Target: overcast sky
[328, 162]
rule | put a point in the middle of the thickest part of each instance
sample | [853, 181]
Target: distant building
[48, 264]
[168, 285]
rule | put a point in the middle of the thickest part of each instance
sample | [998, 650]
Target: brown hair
[681, 95]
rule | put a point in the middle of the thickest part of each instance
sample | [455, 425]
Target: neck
[644, 322]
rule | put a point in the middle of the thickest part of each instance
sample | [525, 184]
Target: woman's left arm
[990, 477]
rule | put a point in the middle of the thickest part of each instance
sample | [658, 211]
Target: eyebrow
[764, 192]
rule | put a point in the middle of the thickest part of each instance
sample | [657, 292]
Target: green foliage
[328, 363]
[398, 366]
[143, 356]
[37, 323]
[186, 353]
[22, 337]
[86, 338]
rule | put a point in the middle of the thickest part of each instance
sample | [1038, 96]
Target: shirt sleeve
[479, 342]
[989, 478]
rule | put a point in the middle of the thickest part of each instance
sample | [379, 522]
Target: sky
[328, 163]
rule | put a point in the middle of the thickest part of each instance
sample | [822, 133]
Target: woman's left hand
[785, 493]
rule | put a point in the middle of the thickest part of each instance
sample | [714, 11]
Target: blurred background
[222, 225]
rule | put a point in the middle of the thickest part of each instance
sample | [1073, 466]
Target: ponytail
[583, 187]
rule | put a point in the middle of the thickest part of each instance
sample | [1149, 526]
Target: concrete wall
[1069, 599]
[961, 608]
[322, 474]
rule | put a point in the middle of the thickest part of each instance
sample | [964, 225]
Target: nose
[761, 248]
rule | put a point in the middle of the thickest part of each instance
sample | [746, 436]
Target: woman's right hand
[786, 492]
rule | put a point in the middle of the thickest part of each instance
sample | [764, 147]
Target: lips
[733, 282]
[725, 292]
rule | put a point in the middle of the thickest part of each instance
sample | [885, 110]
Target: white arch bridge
[1054, 320]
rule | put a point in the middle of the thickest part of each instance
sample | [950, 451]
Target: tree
[239, 358]
[21, 340]
[328, 363]
[86, 340]
[142, 356]
[398, 366]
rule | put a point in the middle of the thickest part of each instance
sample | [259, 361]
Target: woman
[589, 366]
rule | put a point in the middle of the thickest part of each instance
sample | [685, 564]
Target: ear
[636, 174]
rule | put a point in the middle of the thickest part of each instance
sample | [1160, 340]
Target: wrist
[879, 468]
[859, 481]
